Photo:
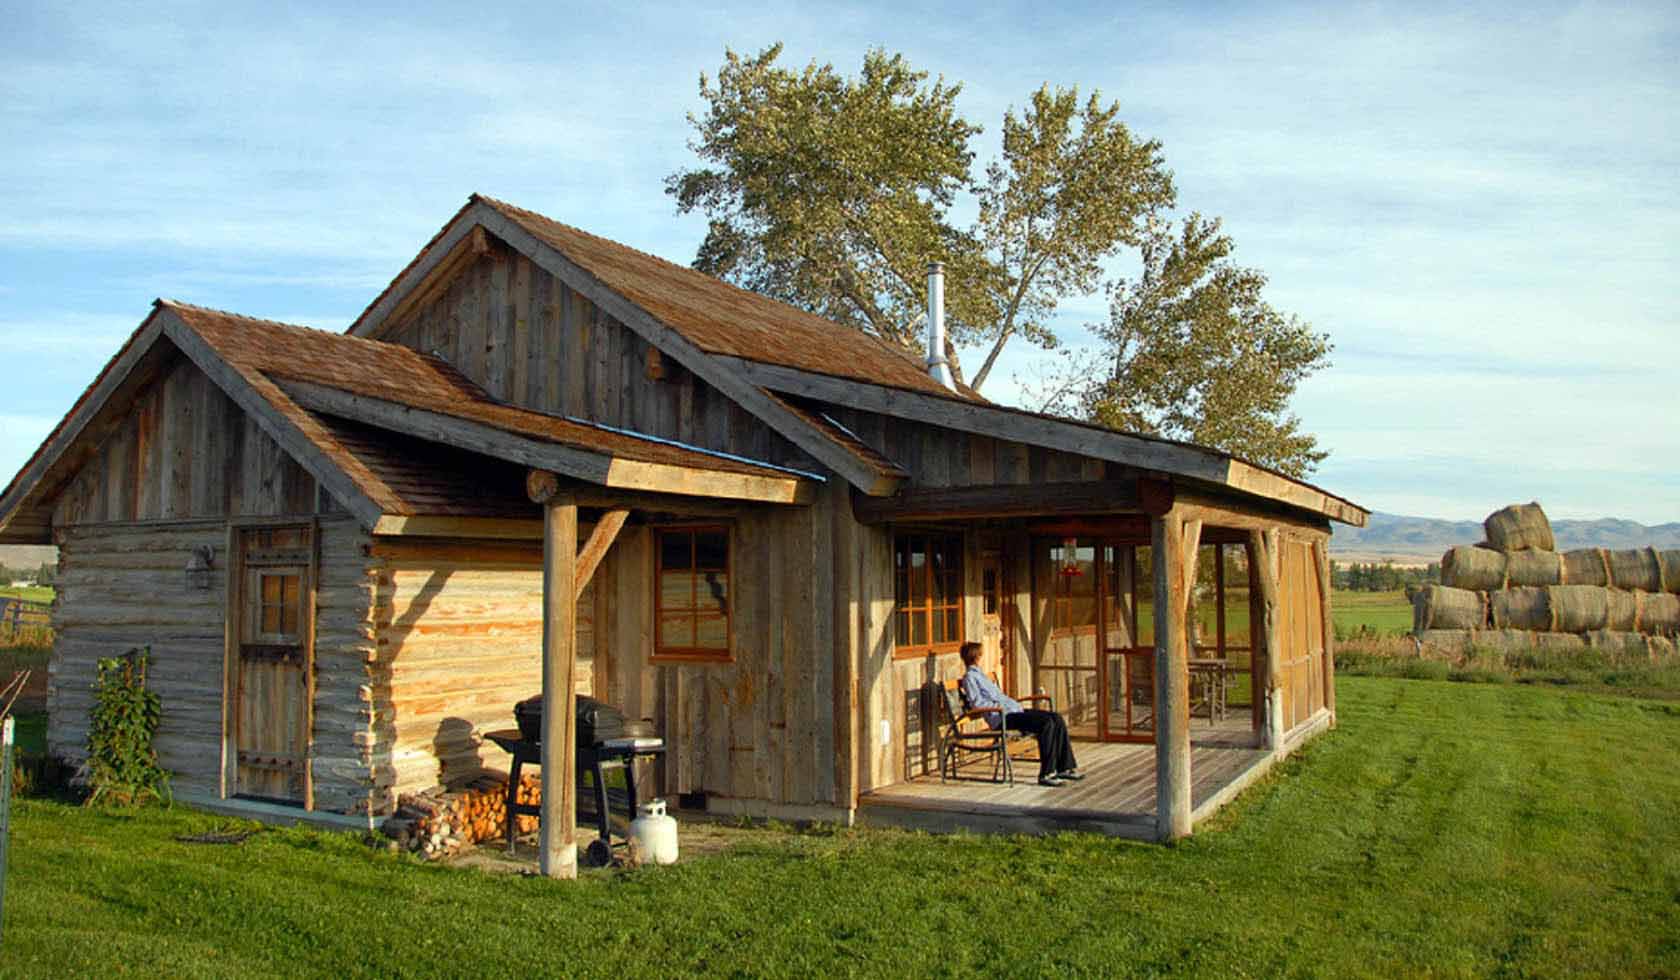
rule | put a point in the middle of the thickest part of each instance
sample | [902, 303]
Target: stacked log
[440, 822]
[1514, 591]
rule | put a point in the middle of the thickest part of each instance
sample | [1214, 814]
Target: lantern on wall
[1070, 558]
[200, 566]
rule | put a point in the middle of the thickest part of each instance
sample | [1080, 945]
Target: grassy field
[28, 593]
[1380, 612]
[1444, 828]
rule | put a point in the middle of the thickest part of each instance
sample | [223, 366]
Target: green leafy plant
[122, 765]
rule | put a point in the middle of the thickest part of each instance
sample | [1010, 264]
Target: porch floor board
[1117, 795]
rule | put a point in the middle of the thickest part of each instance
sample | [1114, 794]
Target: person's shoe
[1049, 781]
[1073, 774]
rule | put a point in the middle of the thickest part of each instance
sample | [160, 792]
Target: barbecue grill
[606, 739]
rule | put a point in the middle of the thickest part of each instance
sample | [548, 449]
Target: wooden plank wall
[459, 642]
[940, 457]
[529, 339]
[185, 452]
[1300, 626]
[345, 646]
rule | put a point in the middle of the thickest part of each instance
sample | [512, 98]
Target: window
[928, 593]
[1073, 587]
[989, 602]
[279, 605]
[691, 620]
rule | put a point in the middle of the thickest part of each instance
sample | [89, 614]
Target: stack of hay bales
[1516, 591]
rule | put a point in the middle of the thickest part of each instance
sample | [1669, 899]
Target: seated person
[1055, 749]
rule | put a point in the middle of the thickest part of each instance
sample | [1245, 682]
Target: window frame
[693, 654]
[927, 609]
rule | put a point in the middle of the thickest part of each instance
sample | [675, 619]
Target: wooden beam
[482, 528]
[600, 540]
[1086, 440]
[1172, 680]
[1247, 515]
[1321, 557]
[999, 502]
[541, 485]
[558, 831]
[707, 367]
[471, 247]
[600, 468]
[1261, 557]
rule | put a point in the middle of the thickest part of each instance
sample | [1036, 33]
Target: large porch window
[927, 594]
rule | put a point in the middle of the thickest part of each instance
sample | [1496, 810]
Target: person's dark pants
[1055, 749]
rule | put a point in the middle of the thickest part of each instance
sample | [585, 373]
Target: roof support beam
[597, 468]
[998, 502]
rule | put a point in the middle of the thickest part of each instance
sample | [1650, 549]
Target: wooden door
[274, 665]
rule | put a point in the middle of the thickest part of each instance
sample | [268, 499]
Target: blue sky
[1482, 208]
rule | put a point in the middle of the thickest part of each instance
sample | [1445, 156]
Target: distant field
[1383, 612]
[33, 593]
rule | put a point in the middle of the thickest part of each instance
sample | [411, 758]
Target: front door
[273, 665]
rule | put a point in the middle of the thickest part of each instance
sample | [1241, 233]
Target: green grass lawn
[1381, 612]
[1443, 828]
[28, 593]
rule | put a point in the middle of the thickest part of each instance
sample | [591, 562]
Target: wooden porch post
[559, 726]
[1321, 553]
[1172, 674]
[1262, 555]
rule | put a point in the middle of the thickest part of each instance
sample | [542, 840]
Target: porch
[1117, 796]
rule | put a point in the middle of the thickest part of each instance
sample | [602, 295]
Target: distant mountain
[1427, 538]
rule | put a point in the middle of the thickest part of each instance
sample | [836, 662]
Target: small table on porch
[1214, 676]
[614, 753]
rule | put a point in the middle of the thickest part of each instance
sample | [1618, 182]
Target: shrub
[122, 766]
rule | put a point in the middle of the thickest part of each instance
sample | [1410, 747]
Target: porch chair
[965, 731]
[1043, 702]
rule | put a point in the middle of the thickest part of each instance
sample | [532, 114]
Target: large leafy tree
[834, 193]
[1192, 351]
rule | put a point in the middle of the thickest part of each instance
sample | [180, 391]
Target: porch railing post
[1172, 675]
[558, 834]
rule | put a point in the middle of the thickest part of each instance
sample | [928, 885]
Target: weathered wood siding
[1301, 630]
[531, 340]
[187, 451]
[122, 586]
[459, 641]
[940, 457]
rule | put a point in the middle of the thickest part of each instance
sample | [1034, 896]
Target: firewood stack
[440, 822]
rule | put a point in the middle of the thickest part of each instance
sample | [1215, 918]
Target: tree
[834, 193]
[1192, 351]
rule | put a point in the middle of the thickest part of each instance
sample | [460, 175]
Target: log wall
[459, 642]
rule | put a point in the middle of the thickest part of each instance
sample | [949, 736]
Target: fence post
[5, 813]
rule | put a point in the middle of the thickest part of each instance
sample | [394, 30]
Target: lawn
[1444, 828]
[28, 593]
[1380, 612]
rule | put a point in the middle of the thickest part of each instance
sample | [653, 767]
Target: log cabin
[544, 461]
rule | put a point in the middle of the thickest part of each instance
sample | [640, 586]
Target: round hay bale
[1445, 641]
[1477, 569]
[1660, 613]
[1533, 568]
[1621, 610]
[1670, 562]
[1559, 641]
[1519, 527]
[1662, 647]
[1635, 568]
[1522, 609]
[1502, 641]
[1579, 608]
[1586, 566]
[1439, 607]
[1618, 641]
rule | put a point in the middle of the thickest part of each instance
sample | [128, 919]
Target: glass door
[1069, 669]
[1128, 652]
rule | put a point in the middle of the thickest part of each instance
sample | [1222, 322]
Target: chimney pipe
[938, 367]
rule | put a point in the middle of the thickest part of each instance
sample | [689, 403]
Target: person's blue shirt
[979, 691]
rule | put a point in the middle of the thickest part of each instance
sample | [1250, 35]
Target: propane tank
[655, 833]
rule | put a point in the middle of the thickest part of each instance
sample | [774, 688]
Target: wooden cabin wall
[187, 451]
[345, 647]
[531, 340]
[121, 587]
[1301, 630]
[939, 457]
[459, 627]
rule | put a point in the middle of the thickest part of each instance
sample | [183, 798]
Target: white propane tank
[655, 833]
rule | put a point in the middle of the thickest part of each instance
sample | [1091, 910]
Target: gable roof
[758, 351]
[302, 384]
